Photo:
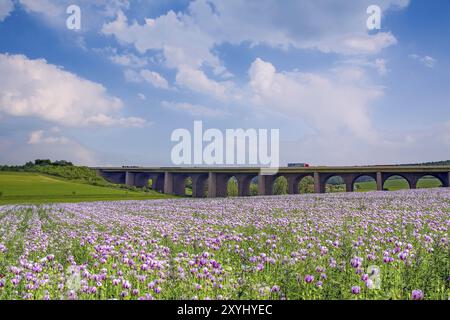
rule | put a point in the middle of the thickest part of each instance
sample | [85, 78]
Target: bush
[280, 186]
[254, 190]
[232, 187]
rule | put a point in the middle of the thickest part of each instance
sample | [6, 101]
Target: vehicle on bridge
[298, 165]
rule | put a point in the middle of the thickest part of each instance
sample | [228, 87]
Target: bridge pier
[349, 180]
[413, 178]
[221, 185]
[379, 181]
[265, 185]
[178, 184]
[217, 185]
[129, 178]
[293, 182]
[168, 183]
[244, 181]
[199, 182]
[212, 185]
[318, 187]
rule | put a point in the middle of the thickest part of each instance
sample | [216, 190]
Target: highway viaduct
[171, 180]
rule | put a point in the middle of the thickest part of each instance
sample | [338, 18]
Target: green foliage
[254, 190]
[42, 162]
[232, 187]
[82, 174]
[280, 186]
[31, 166]
[306, 185]
[434, 163]
[188, 183]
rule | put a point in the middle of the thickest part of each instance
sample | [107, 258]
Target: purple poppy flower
[275, 288]
[417, 295]
[309, 278]
[356, 289]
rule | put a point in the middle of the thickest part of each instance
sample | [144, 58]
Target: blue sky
[113, 92]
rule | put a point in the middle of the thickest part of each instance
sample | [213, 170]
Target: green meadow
[34, 188]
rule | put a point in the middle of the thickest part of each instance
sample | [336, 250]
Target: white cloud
[197, 81]
[154, 79]
[132, 76]
[187, 40]
[38, 137]
[128, 60]
[323, 25]
[35, 88]
[108, 121]
[48, 7]
[6, 6]
[142, 96]
[111, 7]
[194, 109]
[151, 77]
[425, 60]
[54, 8]
[125, 59]
[180, 40]
[365, 44]
[329, 103]
[380, 65]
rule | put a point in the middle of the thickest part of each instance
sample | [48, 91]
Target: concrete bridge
[212, 182]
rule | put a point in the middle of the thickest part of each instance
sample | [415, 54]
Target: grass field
[18, 187]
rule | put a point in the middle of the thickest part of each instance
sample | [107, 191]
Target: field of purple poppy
[375, 245]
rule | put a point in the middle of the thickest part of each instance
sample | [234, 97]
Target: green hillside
[26, 187]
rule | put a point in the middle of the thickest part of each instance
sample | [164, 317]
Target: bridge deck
[320, 169]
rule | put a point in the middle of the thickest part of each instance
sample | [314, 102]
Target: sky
[112, 92]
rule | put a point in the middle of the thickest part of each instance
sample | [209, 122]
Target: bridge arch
[334, 183]
[234, 184]
[370, 181]
[300, 183]
[280, 185]
[430, 180]
[193, 184]
[395, 183]
[244, 182]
